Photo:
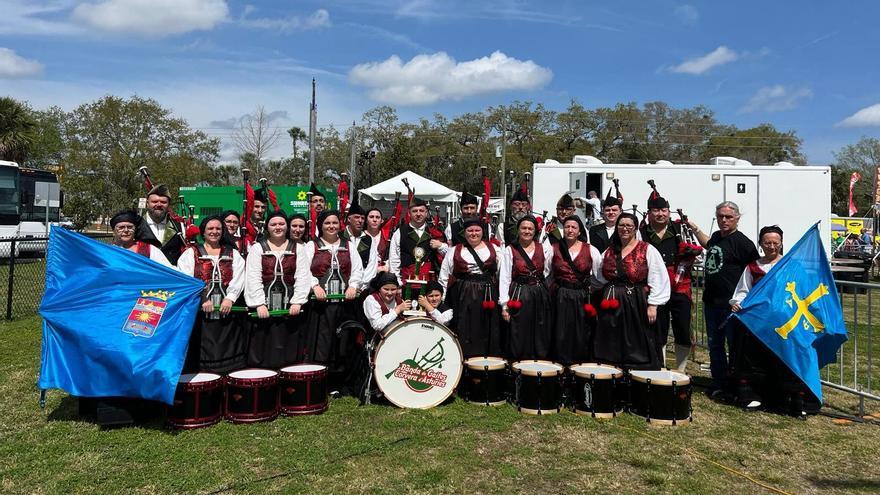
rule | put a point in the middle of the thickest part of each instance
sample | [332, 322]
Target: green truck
[211, 200]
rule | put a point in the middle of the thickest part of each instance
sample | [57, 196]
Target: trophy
[415, 284]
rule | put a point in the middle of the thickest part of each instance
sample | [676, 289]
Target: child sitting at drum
[384, 306]
[432, 303]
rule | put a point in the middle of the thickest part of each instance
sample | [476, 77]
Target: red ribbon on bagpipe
[410, 195]
[248, 230]
[342, 197]
[270, 194]
[484, 201]
[390, 225]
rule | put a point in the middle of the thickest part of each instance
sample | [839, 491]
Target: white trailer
[783, 194]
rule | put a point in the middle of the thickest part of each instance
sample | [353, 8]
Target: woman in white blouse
[277, 280]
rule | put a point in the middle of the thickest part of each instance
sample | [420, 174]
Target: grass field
[454, 448]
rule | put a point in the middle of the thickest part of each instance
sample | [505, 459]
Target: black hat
[470, 221]
[315, 192]
[433, 285]
[574, 218]
[384, 278]
[566, 201]
[468, 199]
[520, 195]
[418, 202]
[160, 190]
[770, 229]
[528, 218]
[655, 200]
[610, 200]
[355, 207]
[323, 216]
[129, 216]
[260, 195]
[227, 213]
[277, 213]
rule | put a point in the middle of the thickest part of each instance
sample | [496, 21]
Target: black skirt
[529, 335]
[478, 329]
[276, 342]
[623, 336]
[572, 329]
[217, 345]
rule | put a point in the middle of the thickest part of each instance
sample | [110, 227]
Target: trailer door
[743, 190]
[577, 184]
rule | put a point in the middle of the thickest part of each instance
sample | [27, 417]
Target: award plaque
[414, 285]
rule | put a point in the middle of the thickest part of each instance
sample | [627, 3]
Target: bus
[25, 194]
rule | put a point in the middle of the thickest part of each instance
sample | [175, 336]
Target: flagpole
[313, 122]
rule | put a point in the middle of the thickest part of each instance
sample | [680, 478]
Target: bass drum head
[418, 364]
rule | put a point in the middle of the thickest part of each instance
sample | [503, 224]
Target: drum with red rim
[252, 395]
[198, 401]
[303, 389]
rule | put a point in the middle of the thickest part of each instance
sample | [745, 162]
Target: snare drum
[251, 395]
[485, 381]
[303, 389]
[417, 363]
[537, 386]
[662, 397]
[198, 401]
[597, 390]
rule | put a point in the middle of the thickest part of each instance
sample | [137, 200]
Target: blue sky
[811, 67]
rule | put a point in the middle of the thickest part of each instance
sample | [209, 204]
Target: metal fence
[854, 371]
[23, 273]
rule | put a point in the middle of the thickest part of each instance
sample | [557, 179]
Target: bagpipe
[689, 248]
[389, 226]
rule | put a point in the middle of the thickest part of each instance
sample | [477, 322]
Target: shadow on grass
[861, 484]
[146, 414]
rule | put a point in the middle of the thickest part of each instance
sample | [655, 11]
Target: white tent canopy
[424, 188]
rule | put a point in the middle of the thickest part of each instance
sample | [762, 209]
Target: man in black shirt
[455, 230]
[728, 252]
[600, 235]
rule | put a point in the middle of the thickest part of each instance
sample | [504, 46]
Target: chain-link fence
[23, 273]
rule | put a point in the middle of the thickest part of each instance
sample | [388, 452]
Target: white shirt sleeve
[356, 277]
[158, 256]
[445, 272]
[548, 258]
[373, 312]
[308, 255]
[394, 255]
[302, 281]
[499, 234]
[186, 263]
[505, 267]
[743, 287]
[253, 279]
[236, 285]
[598, 279]
[658, 278]
[442, 318]
[448, 233]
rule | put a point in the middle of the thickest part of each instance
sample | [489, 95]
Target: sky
[810, 67]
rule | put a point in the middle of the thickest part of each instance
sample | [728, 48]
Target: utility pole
[503, 174]
[313, 123]
[352, 167]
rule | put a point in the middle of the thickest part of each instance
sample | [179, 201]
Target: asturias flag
[795, 311]
[114, 322]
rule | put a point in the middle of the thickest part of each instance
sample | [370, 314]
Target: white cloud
[687, 14]
[152, 17]
[12, 65]
[776, 98]
[35, 18]
[318, 19]
[719, 56]
[430, 78]
[866, 117]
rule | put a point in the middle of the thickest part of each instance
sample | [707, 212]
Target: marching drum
[597, 390]
[303, 389]
[252, 395]
[417, 363]
[198, 401]
[662, 397]
[485, 381]
[537, 386]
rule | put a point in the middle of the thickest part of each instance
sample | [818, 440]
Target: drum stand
[368, 382]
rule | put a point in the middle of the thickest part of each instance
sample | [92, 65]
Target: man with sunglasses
[728, 252]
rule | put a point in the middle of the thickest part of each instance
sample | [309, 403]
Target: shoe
[720, 395]
[335, 394]
[753, 405]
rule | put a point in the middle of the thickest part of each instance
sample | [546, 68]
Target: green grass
[454, 448]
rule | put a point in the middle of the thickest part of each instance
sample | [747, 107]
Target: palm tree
[296, 134]
[18, 130]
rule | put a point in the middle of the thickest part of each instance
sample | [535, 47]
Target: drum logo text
[144, 318]
[418, 372]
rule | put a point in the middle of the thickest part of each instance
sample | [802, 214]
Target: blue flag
[795, 311]
[115, 323]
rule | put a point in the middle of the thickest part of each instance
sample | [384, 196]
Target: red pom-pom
[489, 305]
[192, 232]
[604, 304]
[484, 304]
[613, 304]
[590, 310]
[514, 304]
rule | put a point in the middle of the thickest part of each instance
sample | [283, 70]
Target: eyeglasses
[624, 226]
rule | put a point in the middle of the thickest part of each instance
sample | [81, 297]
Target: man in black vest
[665, 235]
[361, 242]
[408, 238]
[157, 227]
[519, 207]
[600, 235]
[455, 230]
[564, 209]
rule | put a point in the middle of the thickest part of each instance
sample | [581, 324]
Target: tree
[760, 145]
[862, 157]
[48, 148]
[255, 135]
[18, 130]
[296, 134]
[109, 139]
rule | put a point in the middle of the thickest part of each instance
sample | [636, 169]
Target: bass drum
[417, 364]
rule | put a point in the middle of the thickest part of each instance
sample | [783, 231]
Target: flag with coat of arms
[115, 323]
[795, 311]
